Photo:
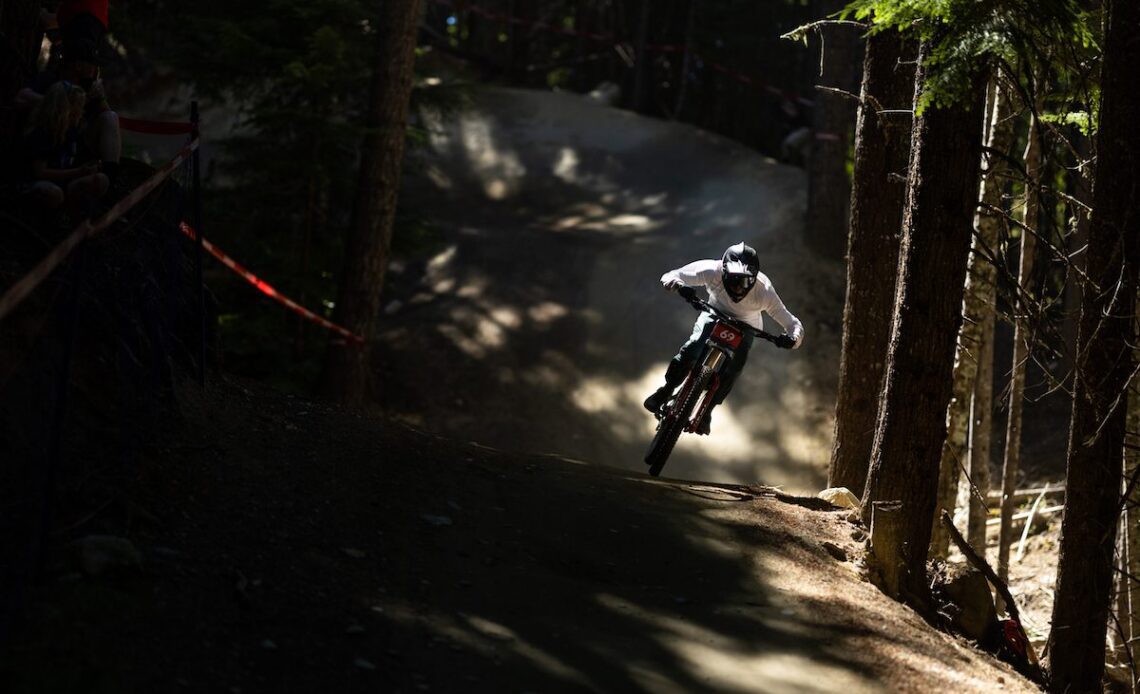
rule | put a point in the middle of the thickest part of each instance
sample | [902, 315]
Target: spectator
[74, 21]
[796, 145]
[82, 20]
[49, 149]
[99, 136]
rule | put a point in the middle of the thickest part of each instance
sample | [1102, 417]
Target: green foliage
[294, 75]
[967, 38]
[1082, 120]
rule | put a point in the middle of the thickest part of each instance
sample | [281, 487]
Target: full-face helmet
[739, 267]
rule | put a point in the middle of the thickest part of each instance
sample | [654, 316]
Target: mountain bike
[684, 411]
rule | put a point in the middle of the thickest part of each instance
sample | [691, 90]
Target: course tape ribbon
[268, 290]
[732, 73]
[87, 229]
[153, 127]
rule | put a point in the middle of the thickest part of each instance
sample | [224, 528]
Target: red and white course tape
[268, 290]
[154, 127]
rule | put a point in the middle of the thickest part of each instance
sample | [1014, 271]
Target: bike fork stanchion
[196, 216]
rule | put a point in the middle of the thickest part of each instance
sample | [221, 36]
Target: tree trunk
[643, 67]
[22, 35]
[1131, 524]
[1104, 365]
[1021, 344]
[978, 311]
[686, 61]
[825, 221]
[881, 148]
[942, 193]
[1081, 189]
[346, 374]
[983, 428]
[1118, 625]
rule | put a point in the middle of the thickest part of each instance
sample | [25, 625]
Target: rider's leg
[681, 363]
[733, 369]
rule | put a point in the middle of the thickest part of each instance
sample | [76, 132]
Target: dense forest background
[960, 200]
[283, 161]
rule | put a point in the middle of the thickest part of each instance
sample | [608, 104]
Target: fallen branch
[1027, 514]
[1028, 524]
[980, 564]
[1026, 493]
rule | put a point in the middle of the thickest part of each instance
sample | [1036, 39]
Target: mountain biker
[737, 288]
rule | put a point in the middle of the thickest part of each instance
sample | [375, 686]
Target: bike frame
[720, 349]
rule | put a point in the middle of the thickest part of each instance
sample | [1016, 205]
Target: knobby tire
[674, 423]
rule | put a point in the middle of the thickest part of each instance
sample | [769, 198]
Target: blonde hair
[54, 112]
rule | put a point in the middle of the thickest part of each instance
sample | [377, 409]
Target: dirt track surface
[540, 325]
[289, 547]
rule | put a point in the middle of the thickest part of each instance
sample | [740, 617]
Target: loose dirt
[291, 547]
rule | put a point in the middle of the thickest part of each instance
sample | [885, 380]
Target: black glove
[784, 342]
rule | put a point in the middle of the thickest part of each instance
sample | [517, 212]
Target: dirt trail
[289, 547]
[540, 325]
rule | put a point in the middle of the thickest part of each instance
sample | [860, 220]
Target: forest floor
[286, 546]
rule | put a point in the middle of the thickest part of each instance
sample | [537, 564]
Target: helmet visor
[739, 285]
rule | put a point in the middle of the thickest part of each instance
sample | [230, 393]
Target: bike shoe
[659, 397]
[706, 424]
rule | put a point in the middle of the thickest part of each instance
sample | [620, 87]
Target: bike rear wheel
[674, 423]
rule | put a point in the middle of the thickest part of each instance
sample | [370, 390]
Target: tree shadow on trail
[542, 313]
[617, 588]
[304, 549]
[630, 585]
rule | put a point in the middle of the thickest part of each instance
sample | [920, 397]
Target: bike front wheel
[674, 421]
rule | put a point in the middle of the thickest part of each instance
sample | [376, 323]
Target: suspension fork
[714, 361]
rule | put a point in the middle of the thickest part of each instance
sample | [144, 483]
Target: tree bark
[911, 427]
[687, 60]
[878, 193]
[1131, 617]
[1021, 344]
[973, 340]
[643, 67]
[346, 373]
[982, 428]
[1105, 363]
[1080, 187]
[825, 221]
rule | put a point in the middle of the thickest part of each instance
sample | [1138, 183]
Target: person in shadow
[49, 149]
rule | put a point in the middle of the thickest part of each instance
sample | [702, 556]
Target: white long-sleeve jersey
[761, 299]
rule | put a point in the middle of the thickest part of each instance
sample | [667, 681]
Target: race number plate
[725, 334]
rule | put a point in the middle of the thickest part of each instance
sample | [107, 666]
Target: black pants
[691, 351]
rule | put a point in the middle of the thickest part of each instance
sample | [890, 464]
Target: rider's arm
[784, 317]
[696, 274]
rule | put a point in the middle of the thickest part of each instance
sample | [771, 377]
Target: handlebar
[690, 295]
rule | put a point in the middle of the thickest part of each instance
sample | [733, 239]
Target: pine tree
[347, 373]
[882, 138]
[975, 339]
[942, 191]
[1105, 361]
